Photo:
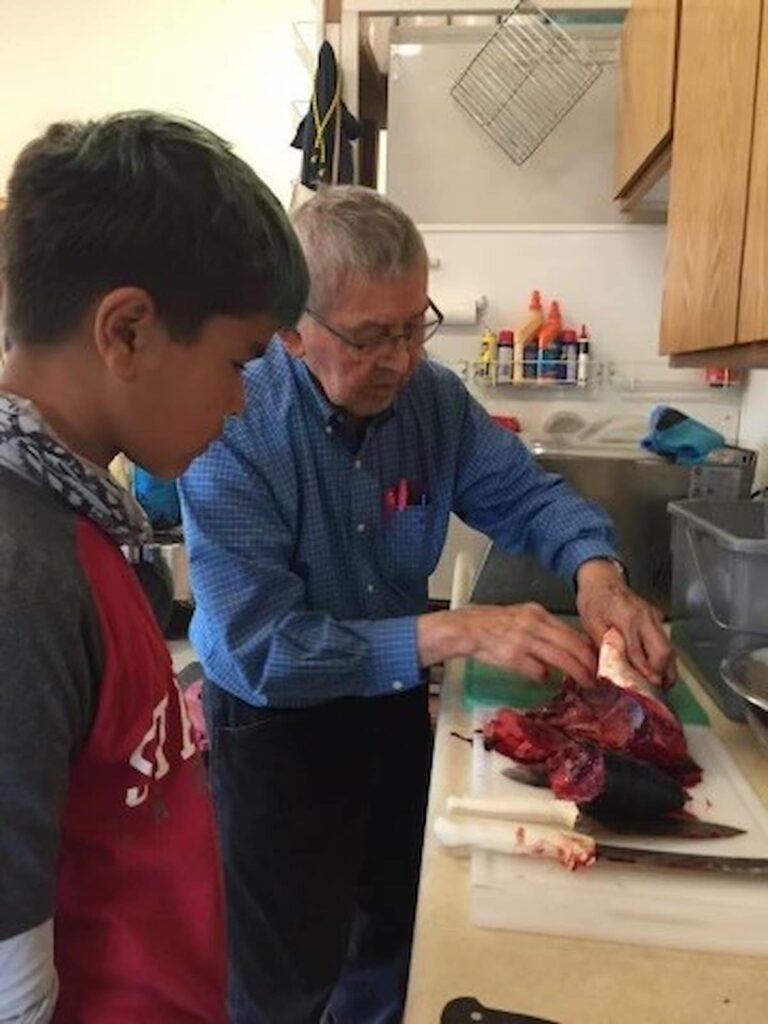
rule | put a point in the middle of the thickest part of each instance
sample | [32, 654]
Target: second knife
[565, 814]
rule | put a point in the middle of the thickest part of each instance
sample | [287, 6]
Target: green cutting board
[485, 686]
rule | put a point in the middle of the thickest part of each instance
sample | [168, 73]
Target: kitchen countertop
[571, 981]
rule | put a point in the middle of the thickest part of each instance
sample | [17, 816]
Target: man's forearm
[600, 571]
[440, 635]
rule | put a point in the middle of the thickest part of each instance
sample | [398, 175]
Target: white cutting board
[672, 908]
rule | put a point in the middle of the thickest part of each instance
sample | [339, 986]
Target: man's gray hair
[348, 229]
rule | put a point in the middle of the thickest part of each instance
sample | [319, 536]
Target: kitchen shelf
[625, 379]
[487, 375]
[458, 366]
[638, 379]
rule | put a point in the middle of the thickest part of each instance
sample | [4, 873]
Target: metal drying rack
[524, 80]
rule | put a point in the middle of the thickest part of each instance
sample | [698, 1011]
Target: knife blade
[754, 866]
[467, 1010]
[566, 814]
[529, 775]
[577, 850]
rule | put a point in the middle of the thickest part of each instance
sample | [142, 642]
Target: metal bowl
[747, 675]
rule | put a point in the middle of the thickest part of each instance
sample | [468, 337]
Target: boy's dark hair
[151, 201]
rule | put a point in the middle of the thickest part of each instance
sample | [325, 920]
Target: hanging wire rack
[524, 80]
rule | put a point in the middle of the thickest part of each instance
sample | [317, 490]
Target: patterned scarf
[30, 448]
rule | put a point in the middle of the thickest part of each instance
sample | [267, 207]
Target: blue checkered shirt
[307, 583]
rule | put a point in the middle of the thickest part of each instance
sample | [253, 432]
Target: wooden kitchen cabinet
[753, 304]
[704, 63]
[714, 115]
[646, 96]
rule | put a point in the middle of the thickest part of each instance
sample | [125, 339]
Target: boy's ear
[292, 340]
[125, 324]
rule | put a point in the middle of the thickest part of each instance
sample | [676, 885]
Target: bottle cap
[535, 302]
[506, 337]
[569, 337]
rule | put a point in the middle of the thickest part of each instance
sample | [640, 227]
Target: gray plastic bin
[719, 605]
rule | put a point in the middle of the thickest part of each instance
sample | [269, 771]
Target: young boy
[145, 264]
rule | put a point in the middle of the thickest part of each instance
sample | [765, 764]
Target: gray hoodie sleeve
[28, 983]
[49, 674]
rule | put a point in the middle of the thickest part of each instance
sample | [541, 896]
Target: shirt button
[358, 464]
[329, 429]
[361, 527]
[370, 588]
[397, 685]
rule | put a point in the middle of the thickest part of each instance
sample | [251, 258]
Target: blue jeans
[321, 816]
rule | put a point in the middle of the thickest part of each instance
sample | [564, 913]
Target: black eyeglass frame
[430, 330]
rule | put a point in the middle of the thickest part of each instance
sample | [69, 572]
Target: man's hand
[523, 637]
[604, 600]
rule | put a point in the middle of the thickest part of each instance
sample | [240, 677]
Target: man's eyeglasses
[373, 339]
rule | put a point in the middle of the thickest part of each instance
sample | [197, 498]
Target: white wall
[609, 276]
[230, 64]
[754, 421]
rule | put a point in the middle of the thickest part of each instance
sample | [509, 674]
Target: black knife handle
[468, 1011]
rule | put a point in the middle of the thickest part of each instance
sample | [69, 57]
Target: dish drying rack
[524, 80]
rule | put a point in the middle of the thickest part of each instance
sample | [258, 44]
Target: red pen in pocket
[402, 494]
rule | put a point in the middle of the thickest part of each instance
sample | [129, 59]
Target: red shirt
[139, 920]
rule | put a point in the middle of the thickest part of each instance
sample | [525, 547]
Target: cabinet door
[647, 87]
[714, 104]
[753, 306]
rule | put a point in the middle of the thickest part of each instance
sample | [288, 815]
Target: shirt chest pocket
[411, 548]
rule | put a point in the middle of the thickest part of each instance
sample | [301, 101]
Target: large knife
[575, 849]
[755, 866]
[566, 814]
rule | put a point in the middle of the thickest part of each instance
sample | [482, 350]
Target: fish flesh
[616, 748]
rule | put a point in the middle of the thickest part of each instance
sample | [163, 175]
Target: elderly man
[313, 526]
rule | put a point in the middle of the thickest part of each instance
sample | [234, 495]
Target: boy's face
[169, 400]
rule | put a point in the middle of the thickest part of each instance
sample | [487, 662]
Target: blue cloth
[159, 498]
[307, 586]
[685, 440]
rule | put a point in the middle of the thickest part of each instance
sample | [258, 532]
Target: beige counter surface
[569, 981]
